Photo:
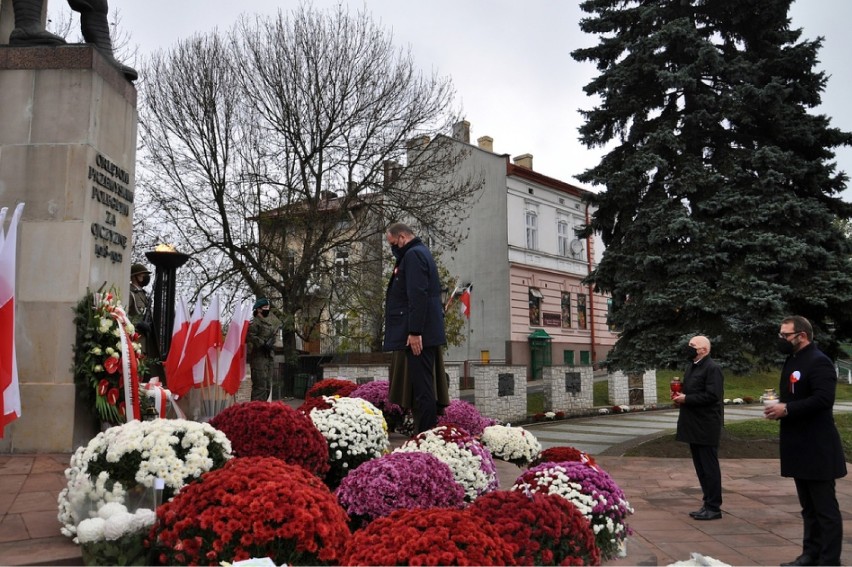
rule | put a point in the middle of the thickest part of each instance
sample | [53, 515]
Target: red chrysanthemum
[252, 507]
[274, 429]
[438, 536]
[331, 387]
[561, 454]
[544, 529]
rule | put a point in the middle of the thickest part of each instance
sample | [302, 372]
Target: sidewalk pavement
[761, 524]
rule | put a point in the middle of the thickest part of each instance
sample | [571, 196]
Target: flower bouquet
[331, 387]
[122, 464]
[355, 432]
[559, 454]
[99, 355]
[115, 536]
[545, 529]
[376, 392]
[438, 536]
[471, 462]
[273, 429]
[465, 415]
[515, 445]
[251, 507]
[398, 481]
[592, 491]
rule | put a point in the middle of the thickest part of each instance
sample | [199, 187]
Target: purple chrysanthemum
[465, 415]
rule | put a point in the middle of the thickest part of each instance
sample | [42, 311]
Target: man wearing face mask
[700, 422]
[260, 338]
[811, 452]
[140, 313]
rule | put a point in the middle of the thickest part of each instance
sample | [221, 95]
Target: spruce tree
[721, 211]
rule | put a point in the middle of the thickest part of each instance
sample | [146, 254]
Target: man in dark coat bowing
[700, 422]
[414, 326]
[811, 451]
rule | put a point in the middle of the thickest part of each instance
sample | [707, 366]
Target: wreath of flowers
[98, 354]
[592, 491]
[512, 444]
[377, 393]
[355, 431]
[465, 415]
[545, 529]
[125, 460]
[398, 481]
[274, 429]
[471, 462]
[115, 536]
[252, 507]
[439, 536]
[560, 454]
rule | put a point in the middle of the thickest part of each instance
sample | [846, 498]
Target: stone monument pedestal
[67, 150]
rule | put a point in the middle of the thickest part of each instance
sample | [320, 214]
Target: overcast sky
[509, 61]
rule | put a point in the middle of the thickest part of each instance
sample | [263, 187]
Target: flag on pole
[450, 298]
[465, 301]
[208, 335]
[11, 393]
[232, 358]
[178, 379]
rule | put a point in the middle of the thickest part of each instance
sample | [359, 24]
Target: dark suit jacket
[701, 417]
[413, 301]
[810, 444]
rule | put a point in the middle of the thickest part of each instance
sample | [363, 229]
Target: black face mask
[395, 251]
[690, 352]
[145, 281]
[784, 346]
[264, 312]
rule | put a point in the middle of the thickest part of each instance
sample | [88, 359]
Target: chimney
[461, 131]
[391, 173]
[524, 160]
[415, 146]
[486, 143]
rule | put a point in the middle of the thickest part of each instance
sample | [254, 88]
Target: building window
[341, 265]
[532, 227]
[609, 323]
[566, 310]
[568, 357]
[581, 311]
[290, 268]
[341, 325]
[585, 357]
[562, 236]
[535, 306]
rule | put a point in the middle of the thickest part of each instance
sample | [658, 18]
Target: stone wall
[632, 389]
[569, 389]
[362, 373]
[501, 392]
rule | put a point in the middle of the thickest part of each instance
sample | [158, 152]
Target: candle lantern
[166, 260]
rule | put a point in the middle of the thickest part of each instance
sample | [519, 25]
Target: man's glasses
[785, 335]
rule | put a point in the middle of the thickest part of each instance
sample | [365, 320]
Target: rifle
[267, 344]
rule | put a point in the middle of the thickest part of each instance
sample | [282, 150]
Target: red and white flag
[10, 410]
[465, 301]
[231, 370]
[207, 336]
[182, 329]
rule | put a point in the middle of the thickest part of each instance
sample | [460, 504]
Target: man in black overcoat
[700, 422]
[414, 324]
[811, 452]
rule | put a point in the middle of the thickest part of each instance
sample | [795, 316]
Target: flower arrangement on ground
[355, 431]
[439, 536]
[377, 392]
[545, 529]
[115, 536]
[251, 507]
[124, 461]
[99, 354]
[331, 387]
[565, 453]
[465, 415]
[398, 481]
[470, 461]
[274, 429]
[512, 444]
[592, 491]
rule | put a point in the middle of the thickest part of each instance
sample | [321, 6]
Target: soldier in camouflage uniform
[260, 339]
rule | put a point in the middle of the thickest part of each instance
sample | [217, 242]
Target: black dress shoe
[708, 515]
[698, 512]
[801, 560]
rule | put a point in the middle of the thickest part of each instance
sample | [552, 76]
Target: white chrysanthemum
[119, 525]
[352, 427]
[91, 529]
[513, 444]
[111, 509]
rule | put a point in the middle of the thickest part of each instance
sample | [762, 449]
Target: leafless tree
[276, 154]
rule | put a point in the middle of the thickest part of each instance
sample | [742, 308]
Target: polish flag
[208, 335]
[180, 382]
[232, 358]
[465, 301]
[10, 408]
